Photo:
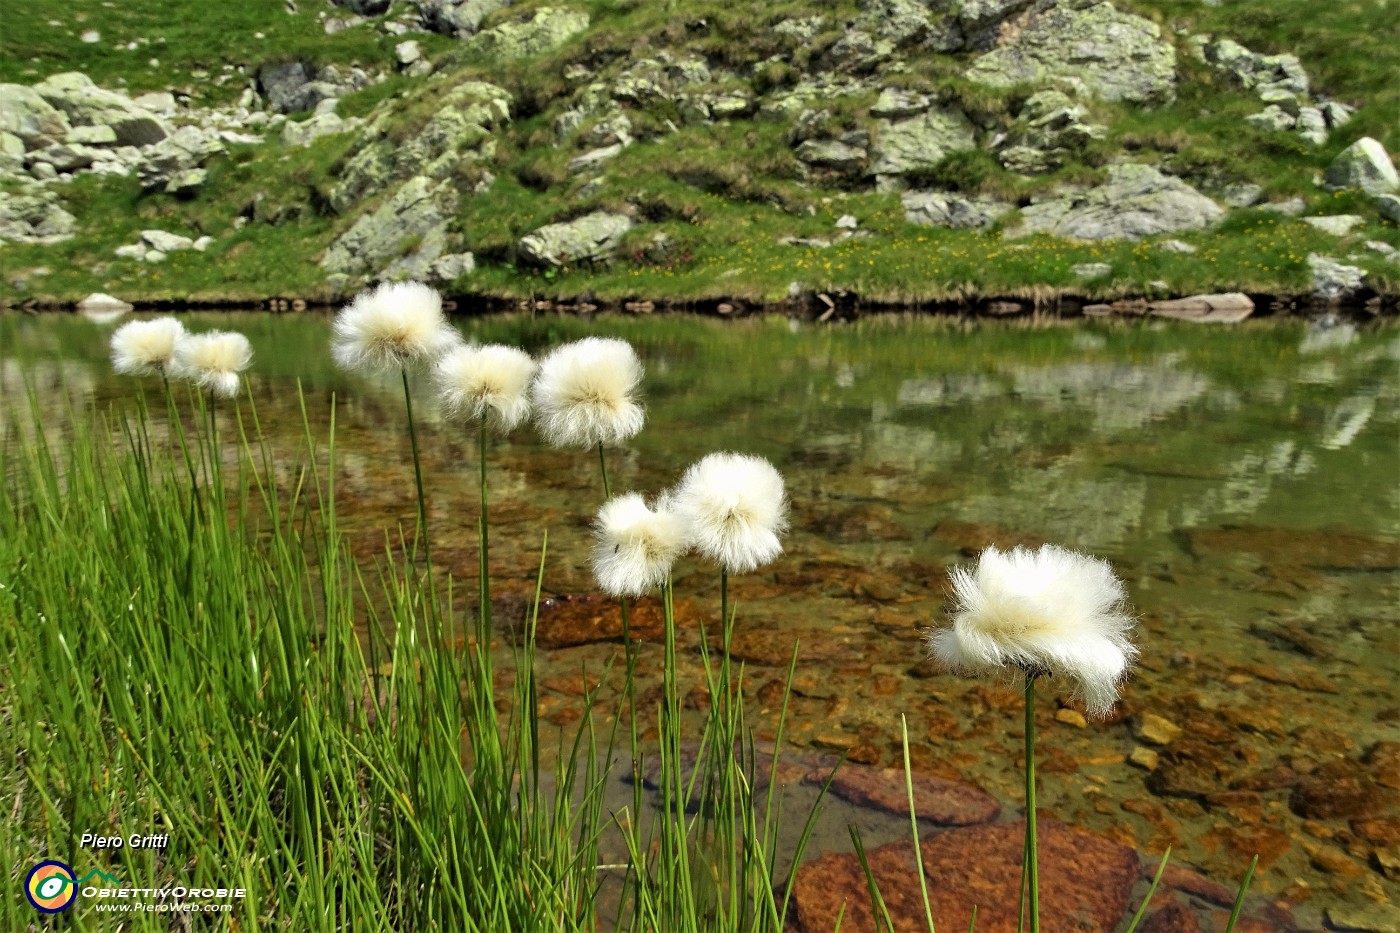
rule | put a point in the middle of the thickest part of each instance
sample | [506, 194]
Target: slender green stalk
[418, 479]
[484, 530]
[914, 823]
[1030, 865]
[1239, 896]
[1147, 899]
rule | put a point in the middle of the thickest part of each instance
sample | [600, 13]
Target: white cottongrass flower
[736, 509]
[143, 348]
[585, 393]
[1049, 611]
[396, 325]
[213, 360]
[486, 382]
[634, 546]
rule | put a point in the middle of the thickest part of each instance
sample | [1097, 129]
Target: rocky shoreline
[1223, 308]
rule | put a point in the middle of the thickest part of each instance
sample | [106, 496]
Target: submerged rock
[1085, 881]
[936, 801]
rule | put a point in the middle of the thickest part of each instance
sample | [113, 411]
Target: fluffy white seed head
[491, 382]
[634, 546]
[398, 324]
[585, 393]
[213, 360]
[736, 509]
[1048, 611]
[143, 348]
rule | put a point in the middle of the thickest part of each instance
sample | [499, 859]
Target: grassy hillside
[711, 198]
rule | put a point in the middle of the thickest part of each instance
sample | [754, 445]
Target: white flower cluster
[1043, 612]
[730, 508]
[213, 360]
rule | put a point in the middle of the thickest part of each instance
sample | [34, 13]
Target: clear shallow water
[1244, 482]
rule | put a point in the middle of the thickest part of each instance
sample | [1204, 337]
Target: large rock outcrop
[461, 130]
[403, 237]
[86, 104]
[1136, 201]
[548, 29]
[1091, 47]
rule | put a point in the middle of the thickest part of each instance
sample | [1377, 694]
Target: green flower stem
[1030, 866]
[418, 479]
[484, 547]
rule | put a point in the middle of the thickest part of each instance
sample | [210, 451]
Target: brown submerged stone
[973, 538]
[938, 801]
[583, 619]
[1336, 790]
[1085, 882]
[1174, 918]
[1322, 550]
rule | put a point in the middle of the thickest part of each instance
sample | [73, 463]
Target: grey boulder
[590, 238]
[1136, 201]
[1096, 49]
[941, 209]
[1366, 165]
[86, 104]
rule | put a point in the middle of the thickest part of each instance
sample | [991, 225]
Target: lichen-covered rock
[25, 114]
[591, 238]
[833, 154]
[460, 18]
[1255, 71]
[941, 209]
[895, 21]
[1048, 130]
[895, 103]
[1332, 280]
[920, 142]
[1136, 201]
[296, 134]
[548, 29]
[981, 19]
[1097, 49]
[1271, 120]
[165, 166]
[451, 267]
[34, 218]
[1388, 206]
[86, 104]
[1366, 165]
[406, 232]
[462, 129]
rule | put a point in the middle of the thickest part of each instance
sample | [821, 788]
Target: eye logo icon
[51, 887]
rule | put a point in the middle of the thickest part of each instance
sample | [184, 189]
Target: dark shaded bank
[824, 306]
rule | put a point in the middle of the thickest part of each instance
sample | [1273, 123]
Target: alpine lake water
[1243, 481]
